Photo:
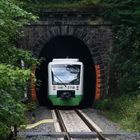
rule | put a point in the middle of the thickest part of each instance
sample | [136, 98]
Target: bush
[12, 83]
[12, 78]
[123, 110]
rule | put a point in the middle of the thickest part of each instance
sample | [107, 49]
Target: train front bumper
[74, 101]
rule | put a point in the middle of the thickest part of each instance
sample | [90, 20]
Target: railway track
[76, 125]
[70, 125]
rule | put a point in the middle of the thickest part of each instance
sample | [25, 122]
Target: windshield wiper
[58, 79]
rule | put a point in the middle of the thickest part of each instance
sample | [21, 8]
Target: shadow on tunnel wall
[62, 47]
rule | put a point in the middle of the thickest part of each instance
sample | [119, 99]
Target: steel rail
[62, 125]
[62, 133]
[91, 127]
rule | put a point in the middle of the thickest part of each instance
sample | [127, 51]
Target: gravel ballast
[108, 126]
[40, 113]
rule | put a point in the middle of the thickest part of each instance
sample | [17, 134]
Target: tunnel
[66, 47]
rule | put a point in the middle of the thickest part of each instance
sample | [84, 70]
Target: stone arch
[86, 35]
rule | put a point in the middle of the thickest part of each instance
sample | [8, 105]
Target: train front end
[65, 79]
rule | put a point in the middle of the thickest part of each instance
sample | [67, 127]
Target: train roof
[65, 60]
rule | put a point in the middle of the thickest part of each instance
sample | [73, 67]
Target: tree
[125, 66]
[12, 77]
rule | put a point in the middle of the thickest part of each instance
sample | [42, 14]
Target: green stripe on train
[69, 102]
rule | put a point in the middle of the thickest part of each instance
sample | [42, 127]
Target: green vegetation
[124, 110]
[123, 105]
[36, 5]
[12, 77]
[12, 82]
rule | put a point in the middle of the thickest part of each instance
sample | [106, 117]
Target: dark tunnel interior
[66, 47]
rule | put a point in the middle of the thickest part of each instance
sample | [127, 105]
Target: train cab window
[65, 74]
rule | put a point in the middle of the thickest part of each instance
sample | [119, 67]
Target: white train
[65, 82]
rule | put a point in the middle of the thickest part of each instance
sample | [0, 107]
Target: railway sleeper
[78, 134]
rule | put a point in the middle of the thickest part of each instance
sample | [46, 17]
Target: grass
[124, 110]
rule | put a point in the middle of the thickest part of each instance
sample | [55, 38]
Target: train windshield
[65, 74]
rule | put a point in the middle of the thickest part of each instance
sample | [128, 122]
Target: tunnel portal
[79, 34]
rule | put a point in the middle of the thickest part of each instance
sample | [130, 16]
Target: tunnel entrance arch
[66, 47]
